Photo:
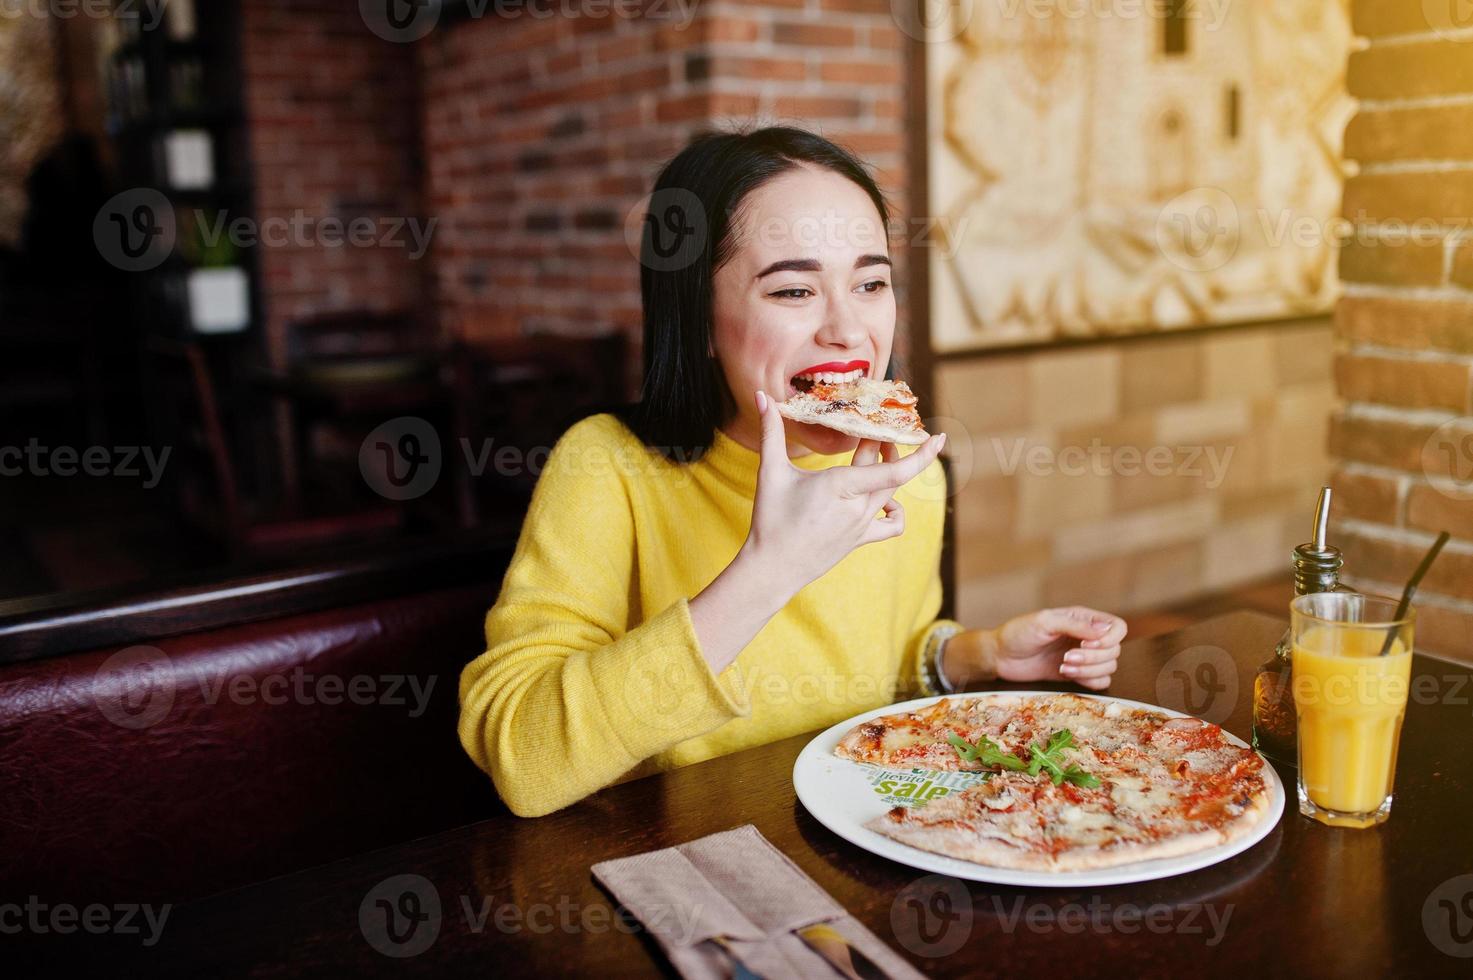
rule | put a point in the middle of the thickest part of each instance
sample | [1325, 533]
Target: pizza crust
[1132, 852]
[851, 424]
[955, 843]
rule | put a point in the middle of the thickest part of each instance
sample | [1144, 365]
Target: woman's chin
[823, 440]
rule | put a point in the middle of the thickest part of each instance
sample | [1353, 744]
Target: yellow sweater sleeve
[567, 697]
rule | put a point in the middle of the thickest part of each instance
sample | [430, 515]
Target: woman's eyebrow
[813, 265]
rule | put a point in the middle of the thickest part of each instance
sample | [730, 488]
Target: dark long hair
[687, 237]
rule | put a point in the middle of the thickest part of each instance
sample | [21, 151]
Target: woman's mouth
[831, 372]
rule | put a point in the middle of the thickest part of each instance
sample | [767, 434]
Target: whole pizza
[1071, 783]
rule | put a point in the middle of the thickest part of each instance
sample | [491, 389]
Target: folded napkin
[731, 904]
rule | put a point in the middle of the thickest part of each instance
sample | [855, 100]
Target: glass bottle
[1316, 569]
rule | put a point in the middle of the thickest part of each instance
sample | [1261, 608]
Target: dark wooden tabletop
[515, 896]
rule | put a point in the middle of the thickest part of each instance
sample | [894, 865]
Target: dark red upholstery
[215, 795]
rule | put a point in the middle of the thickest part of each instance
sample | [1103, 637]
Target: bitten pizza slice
[869, 408]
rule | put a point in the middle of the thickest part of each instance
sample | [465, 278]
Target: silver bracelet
[938, 676]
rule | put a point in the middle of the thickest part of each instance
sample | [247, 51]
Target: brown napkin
[737, 887]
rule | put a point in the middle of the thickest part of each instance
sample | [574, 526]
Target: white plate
[844, 796]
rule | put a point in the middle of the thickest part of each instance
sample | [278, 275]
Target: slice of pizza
[1000, 822]
[919, 739]
[865, 407]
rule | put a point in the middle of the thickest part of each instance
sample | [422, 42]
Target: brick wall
[1134, 474]
[1405, 324]
[331, 112]
[542, 134]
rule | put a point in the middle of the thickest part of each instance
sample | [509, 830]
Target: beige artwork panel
[1108, 167]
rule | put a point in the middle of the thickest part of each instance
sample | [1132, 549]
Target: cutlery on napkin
[732, 904]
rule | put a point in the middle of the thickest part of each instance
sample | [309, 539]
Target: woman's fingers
[884, 476]
[774, 447]
[889, 451]
[1095, 628]
[865, 453]
[1092, 668]
[1080, 656]
[888, 526]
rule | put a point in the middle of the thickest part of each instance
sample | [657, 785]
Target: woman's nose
[841, 328]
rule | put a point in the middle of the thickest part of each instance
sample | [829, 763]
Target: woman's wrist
[732, 610]
[969, 657]
[774, 576]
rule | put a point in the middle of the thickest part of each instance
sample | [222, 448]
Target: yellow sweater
[593, 672]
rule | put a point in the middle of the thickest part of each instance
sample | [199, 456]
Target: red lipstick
[839, 367]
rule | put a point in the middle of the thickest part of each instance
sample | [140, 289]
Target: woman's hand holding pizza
[804, 523]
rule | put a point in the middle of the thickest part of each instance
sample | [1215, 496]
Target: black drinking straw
[1412, 583]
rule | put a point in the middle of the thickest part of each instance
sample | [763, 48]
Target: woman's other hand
[1074, 643]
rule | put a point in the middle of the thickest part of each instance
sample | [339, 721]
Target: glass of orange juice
[1352, 667]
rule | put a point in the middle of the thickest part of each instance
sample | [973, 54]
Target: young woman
[699, 576]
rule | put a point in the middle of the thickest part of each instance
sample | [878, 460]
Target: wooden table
[516, 897]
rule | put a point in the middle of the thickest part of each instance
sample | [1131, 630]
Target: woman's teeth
[831, 377]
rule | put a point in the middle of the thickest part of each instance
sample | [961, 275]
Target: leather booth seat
[165, 768]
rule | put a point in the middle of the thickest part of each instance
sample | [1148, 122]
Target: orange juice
[1350, 701]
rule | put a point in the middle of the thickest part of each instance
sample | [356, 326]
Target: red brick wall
[1405, 326]
[541, 135]
[331, 112]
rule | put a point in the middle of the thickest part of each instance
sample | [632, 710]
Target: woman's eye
[874, 285]
[797, 292]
